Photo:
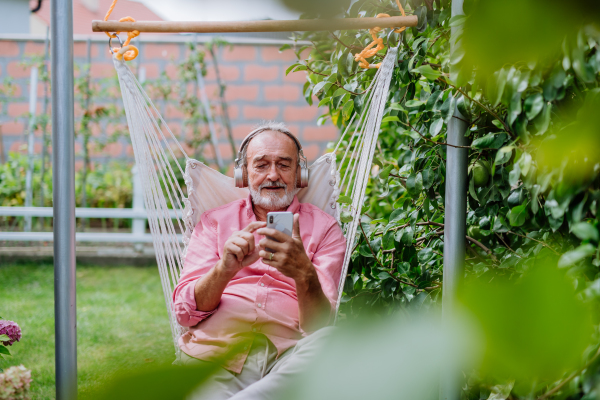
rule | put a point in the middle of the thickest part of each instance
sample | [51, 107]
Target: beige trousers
[263, 376]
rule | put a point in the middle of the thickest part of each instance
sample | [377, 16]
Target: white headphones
[240, 172]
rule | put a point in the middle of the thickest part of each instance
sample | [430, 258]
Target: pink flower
[10, 329]
[15, 383]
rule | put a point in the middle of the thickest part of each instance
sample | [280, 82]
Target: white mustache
[276, 184]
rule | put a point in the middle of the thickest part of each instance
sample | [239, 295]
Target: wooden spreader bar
[254, 26]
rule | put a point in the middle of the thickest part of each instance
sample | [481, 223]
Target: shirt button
[259, 305]
[262, 284]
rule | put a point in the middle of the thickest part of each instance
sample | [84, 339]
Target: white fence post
[30, 144]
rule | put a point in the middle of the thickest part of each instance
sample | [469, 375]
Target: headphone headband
[258, 131]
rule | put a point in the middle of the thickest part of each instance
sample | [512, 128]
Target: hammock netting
[344, 172]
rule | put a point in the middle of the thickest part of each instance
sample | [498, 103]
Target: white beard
[272, 201]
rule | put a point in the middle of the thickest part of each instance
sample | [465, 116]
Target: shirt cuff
[185, 309]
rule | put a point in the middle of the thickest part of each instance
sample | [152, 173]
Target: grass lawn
[122, 322]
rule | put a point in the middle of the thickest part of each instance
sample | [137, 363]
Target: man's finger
[271, 244]
[241, 243]
[274, 233]
[252, 226]
[236, 251]
[296, 230]
[250, 259]
[249, 238]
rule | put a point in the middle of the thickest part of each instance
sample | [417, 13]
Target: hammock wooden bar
[254, 26]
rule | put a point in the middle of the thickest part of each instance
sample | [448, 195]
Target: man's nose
[273, 173]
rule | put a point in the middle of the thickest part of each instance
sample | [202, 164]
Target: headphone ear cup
[238, 177]
[245, 176]
[302, 180]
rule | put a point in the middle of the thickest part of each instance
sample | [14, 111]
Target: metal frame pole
[63, 156]
[455, 221]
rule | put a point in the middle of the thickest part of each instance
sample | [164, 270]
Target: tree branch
[342, 43]
[482, 246]
[433, 141]
[535, 240]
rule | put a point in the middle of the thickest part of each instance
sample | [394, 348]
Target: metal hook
[110, 43]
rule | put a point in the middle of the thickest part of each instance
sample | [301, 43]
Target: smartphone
[282, 221]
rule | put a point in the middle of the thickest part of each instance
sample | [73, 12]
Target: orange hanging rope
[377, 43]
[127, 51]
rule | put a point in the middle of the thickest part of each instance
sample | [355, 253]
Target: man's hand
[289, 256]
[238, 251]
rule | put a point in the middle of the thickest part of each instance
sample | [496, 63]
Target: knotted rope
[127, 51]
[377, 43]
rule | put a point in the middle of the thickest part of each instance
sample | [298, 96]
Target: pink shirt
[259, 298]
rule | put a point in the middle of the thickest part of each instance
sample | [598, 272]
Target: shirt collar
[294, 207]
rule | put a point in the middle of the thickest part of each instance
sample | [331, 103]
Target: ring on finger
[271, 257]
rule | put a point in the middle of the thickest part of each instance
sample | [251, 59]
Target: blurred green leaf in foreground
[535, 329]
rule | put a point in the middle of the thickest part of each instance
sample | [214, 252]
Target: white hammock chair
[153, 144]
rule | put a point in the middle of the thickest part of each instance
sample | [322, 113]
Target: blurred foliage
[528, 87]
[108, 184]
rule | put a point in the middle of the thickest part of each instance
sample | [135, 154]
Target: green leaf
[585, 231]
[414, 184]
[291, 67]
[348, 108]
[578, 254]
[428, 72]
[344, 200]
[345, 217]
[323, 85]
[413, 103]
[4, 350]
[339, 92]
[436, 127]
[503, 155]
[391, 118]
[533, 105]
[484, 142]
[428, 178]
[385, 173]
[4, 338]
[517, 216]
[383, 275]
[425, 255]
[542, 121]
[325, 101]
[285, 47]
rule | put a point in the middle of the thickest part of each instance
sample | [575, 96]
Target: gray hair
[267, 126]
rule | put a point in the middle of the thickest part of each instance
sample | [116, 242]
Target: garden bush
[534, 163]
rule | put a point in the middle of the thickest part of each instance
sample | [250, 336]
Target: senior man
[271, 304]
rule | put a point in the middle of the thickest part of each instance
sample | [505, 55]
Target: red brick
[17, 70]
[239, 53]
[241, 131]
[261, 73]
[271, 53]
[226, 72]
[233, 111]
[295, 77]
[9, 49]
[12, 128]
[282, 92]
[320, 133]
[253, 112]
[173, 111]
[154, 51]
[80, 49]
[226, 153]
[152, 70]
[312, 152]
[102, 70]
[241, 92]
[18, 146]
[171, 71]
[33, 48]
[113, 149]
[304, 113]
[16, 110]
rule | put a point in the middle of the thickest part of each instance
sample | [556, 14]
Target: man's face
[272, 159]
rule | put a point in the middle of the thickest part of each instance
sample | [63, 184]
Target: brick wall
[257, 89]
